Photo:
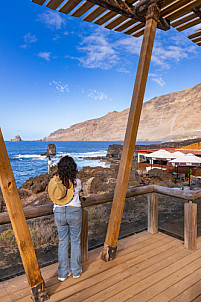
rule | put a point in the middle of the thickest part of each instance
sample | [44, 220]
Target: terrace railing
[190, 212]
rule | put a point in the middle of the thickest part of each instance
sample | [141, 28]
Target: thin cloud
[52, 20]
[97, 95]
[99, 52]
[154, 77]
[29, 38]
[60, 87]
[45, 55]
[103, 50]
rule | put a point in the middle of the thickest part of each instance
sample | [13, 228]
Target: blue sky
[58, 70]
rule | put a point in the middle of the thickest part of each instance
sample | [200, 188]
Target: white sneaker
[69, 274]
[61, 279]
[75, 277]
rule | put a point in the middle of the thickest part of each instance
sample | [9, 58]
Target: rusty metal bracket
[109, 253]
[39, 292]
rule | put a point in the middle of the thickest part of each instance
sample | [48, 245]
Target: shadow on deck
[147, 268]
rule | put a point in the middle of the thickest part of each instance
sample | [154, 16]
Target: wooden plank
[139, 33]
[182, 10]
[130, 138]
[189, 294]
[196, 40]
[198, 299]
[183, 20]
[190, 225]
[40, 2]
[195, 35]
[94, 14]
[153, 214]
[82, 9]
[69, 6]
[85, 289]
[15, 210]
[106, 17]
[147, 267]
[139, 242]
[174, 6]
[54, 4]
[134, 28]
[125, 25]
[115, 22]
[199, 43]
[99, 291]
[151, 286]
[188, 24]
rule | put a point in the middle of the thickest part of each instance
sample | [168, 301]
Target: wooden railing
[190, 212]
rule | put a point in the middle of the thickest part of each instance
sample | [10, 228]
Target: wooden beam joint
[39, 292]
[197, 11]
[108, 253]
[139, 12]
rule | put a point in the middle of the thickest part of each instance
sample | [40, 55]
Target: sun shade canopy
[129, 16]
[186, 160]
[160, 154]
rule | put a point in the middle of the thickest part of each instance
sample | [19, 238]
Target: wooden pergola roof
[129, 16]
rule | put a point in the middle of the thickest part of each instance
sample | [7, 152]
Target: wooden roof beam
[115, 22]
[40, 2]
[181, 11]
[183, 20]
[134, 28]
[69, 6]
[125, 25]
[137, 12]
[82, 9]
[94, 14]
[195, 35]
[196, 40]
[54, 4]
[188, 24]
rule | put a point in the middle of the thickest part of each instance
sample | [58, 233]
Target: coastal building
[145, 162]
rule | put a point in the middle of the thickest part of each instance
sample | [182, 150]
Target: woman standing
[64, 191]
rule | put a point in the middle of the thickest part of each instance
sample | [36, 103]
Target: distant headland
[172, 117]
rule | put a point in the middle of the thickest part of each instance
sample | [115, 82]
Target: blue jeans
[69, 219]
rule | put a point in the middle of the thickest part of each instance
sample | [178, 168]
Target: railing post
[190, 225]
[84, 236]
[153, 213]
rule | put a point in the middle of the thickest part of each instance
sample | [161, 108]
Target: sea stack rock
[51, 150]
[16, 139]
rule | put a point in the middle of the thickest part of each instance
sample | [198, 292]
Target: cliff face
[173, 116]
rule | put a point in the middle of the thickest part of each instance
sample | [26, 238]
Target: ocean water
[26, 159]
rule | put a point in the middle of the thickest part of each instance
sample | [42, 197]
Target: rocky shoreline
[98, 180]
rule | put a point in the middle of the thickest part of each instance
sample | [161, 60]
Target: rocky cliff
[174, 116]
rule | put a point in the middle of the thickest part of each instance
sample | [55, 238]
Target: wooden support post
[190, 225]
[84, 236]
[110, 246]
[19, 224]
[153, 213]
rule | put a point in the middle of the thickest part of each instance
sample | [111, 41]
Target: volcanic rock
[16, 139]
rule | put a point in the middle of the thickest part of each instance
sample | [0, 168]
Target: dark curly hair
[67, 170]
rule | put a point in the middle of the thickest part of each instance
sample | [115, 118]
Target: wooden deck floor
[148, 267]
